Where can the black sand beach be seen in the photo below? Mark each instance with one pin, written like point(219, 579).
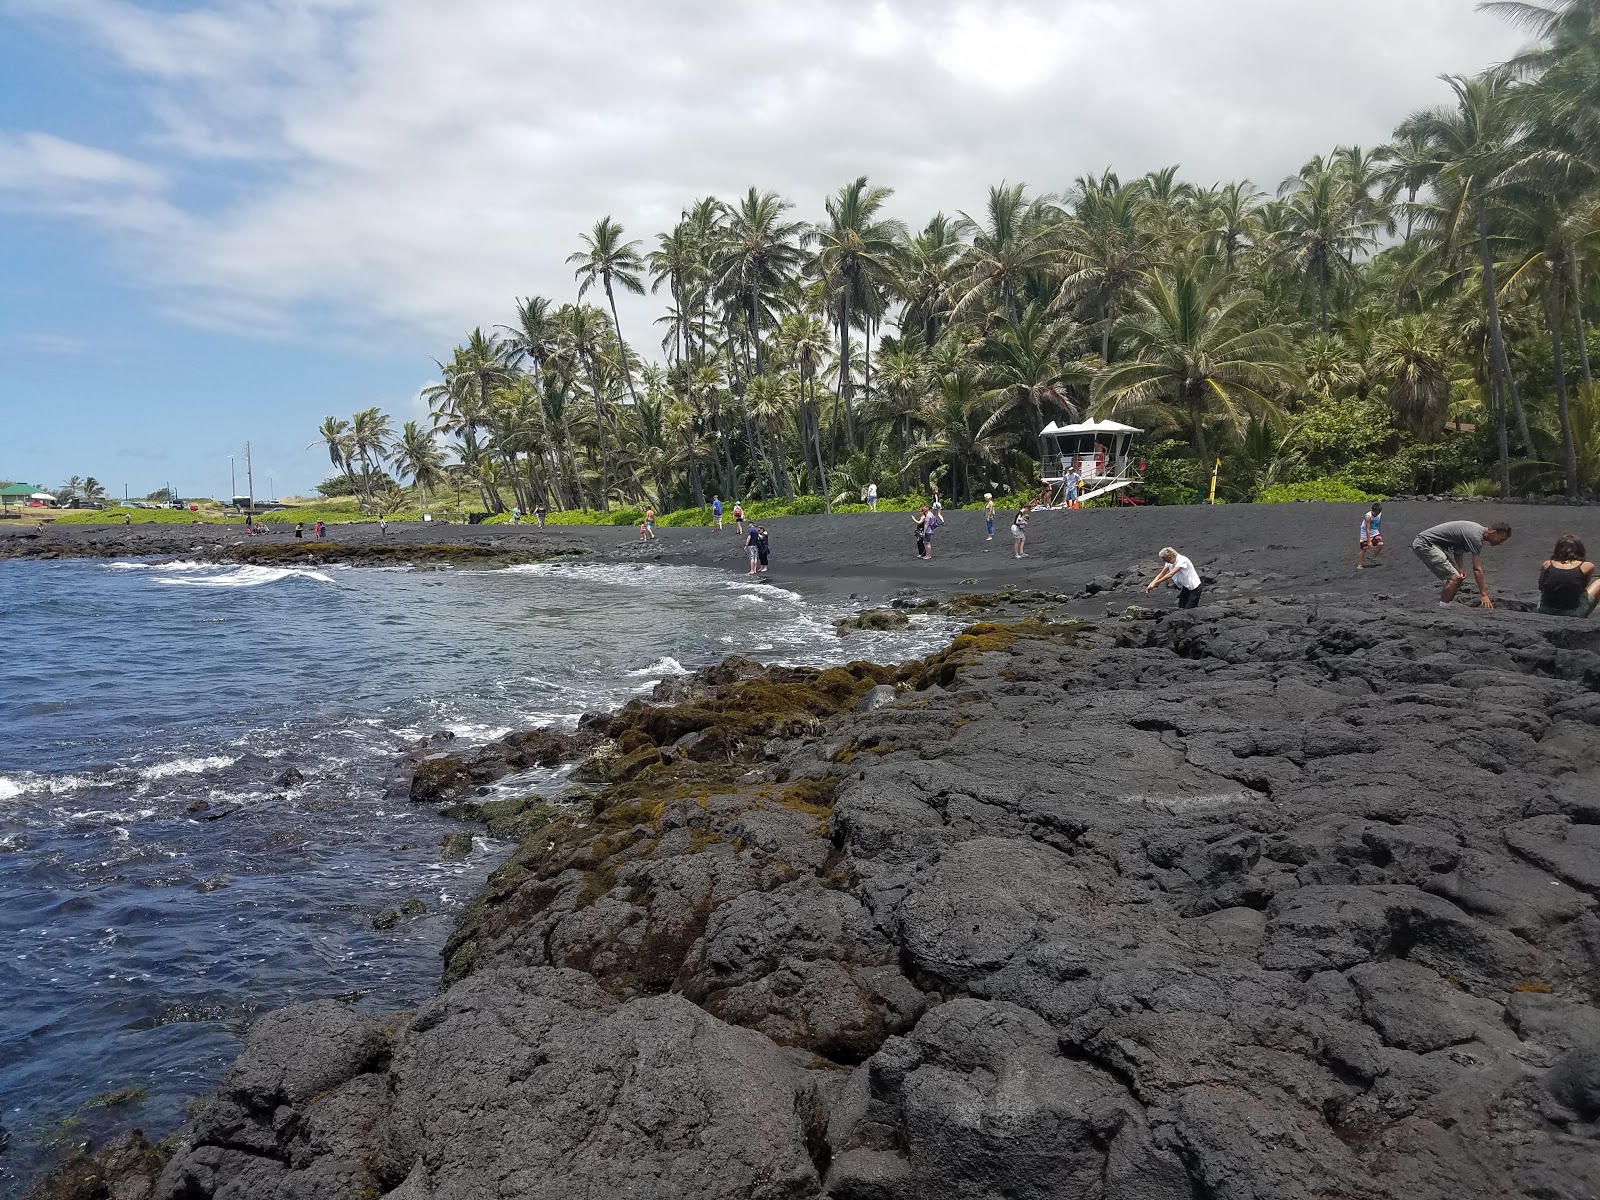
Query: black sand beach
point(1271, 549)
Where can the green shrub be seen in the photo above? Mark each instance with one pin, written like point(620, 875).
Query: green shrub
point(1333, 491)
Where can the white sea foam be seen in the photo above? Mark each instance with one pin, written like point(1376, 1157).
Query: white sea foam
point(662, 666)
point(251, 576)
point(179, 566)
point(186, 766)
point(10, 789)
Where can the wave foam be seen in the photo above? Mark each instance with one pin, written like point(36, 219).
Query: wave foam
point(186, 766)
point(251, 576)
point(662, 666)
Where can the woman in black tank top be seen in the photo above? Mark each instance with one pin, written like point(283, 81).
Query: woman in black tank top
point(1567, 583)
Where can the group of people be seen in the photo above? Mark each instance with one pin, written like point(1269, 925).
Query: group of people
point(716, 513)
point(538, 514)
point(300, 530)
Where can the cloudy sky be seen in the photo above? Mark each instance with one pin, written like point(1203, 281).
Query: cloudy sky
point(223, 221)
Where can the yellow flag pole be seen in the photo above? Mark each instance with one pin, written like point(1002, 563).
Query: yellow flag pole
point(1214, 470)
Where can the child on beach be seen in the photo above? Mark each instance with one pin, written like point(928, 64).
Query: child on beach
point(1371, 539)
point(1019, 531)
point(1183, 575)
point(644, 534)
point(988, 515)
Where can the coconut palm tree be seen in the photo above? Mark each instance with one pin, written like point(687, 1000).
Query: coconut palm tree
point(335, 435)
point(1198, 351)
point(1328, 223)
point(1015, 244)
point(369, 441)
point(1033, 364)
point(610, 262)
point(859, 257)
point(419, 456)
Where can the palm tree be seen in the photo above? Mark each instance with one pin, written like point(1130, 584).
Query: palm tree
point(335, 434)
point(1032, 362)
point(1411, 356)
point(1109, 245)
point(859, 257)
point(418, 455)
point(1012, 246)
point(1473, 143)
point(91, 490)
point(1197, 351)
point(1328, 222)
point(369, 440)
point(609, 261)
point(757, 255)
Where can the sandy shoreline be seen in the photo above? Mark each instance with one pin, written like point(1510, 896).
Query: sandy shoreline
point(1285, 549)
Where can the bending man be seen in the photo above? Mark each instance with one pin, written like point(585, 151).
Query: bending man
point(1442, 548)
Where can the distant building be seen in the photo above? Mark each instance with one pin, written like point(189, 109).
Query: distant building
point(25, 494)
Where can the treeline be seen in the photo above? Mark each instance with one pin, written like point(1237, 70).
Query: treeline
point(1409, 317)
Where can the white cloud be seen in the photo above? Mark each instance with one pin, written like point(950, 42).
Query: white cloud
point(420, 164)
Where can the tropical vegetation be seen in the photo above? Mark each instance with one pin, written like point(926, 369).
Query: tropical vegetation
point(1404, 318)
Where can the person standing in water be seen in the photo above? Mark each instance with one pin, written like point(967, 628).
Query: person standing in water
point(716, 511)
point(1567, 583)
point(1371, 537)
point(763, 547)
point(1183, 575)
point(1442, 548)
point(752, 546)
point(1019, 532)
point(988, 516)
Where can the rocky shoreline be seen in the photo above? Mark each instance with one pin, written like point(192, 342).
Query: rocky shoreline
point(1275, 898)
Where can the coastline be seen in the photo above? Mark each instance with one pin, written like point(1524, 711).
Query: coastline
point(1071, 903)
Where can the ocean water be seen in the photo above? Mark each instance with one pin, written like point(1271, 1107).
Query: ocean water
point(158, 889)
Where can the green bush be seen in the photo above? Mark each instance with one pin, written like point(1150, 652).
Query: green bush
point(1333, 491)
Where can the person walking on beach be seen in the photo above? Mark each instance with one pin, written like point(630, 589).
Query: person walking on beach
point(763, 547)
point(383, 525)
point(322, 530)
point(1371, 538)
point(1019, 532)
point(1567, 583)
point(738, 517)
point(920, 531)
point(516, 514)
point(988, 516)
point(1442, 548)
point(934, 520)
point(1183, 575)
point(752, 545)
point(650, 524)
point(716, 511)
point(127, 519)
point(872, 497)
point(1073, 481)
point(539, 513)
point(299, 530)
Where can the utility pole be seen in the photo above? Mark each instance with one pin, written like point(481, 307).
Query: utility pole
point(250, 476)
point(233, 482)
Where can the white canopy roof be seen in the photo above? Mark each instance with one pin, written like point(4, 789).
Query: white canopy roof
point(1089, 427)
point(42, 496)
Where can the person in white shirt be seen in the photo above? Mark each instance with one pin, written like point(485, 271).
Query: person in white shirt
point(872, 497)
point(1183, 575)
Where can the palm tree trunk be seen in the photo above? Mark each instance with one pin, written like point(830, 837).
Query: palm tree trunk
point(1577, 321)
point(1500, 434)
point(844, 364)
point(1553, 321)
point(1499, 368)
point(622, 346)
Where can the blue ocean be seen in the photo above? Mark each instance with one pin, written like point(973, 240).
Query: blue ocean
point(165, 876)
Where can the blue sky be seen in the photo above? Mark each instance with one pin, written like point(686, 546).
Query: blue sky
point(224, 220)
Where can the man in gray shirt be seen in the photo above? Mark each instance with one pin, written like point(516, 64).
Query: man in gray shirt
point(1442, 548)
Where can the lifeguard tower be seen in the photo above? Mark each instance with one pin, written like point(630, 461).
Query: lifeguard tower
point(1101, 450)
